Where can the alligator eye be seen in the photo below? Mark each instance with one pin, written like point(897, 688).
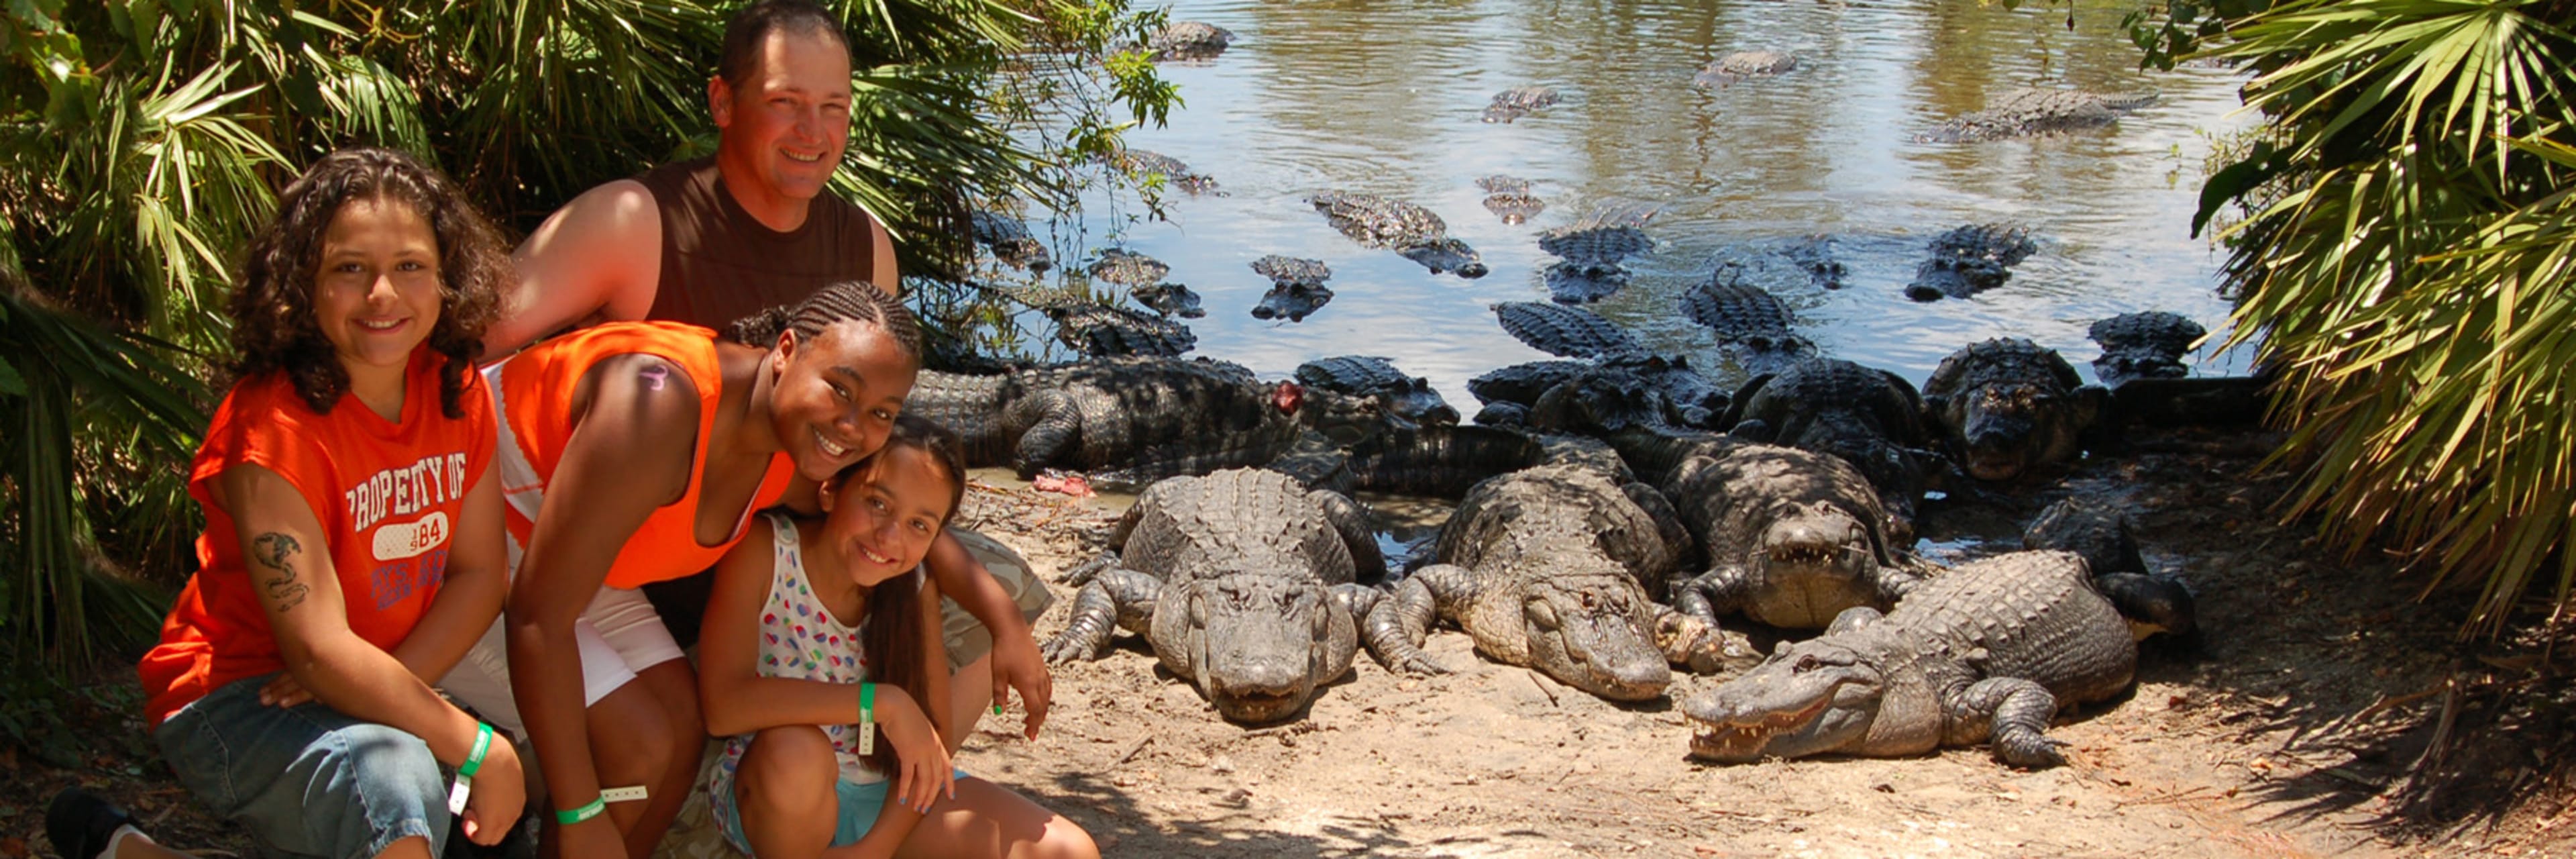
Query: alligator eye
point(1543, 615)
point(1198, 610)
point(1805, 664)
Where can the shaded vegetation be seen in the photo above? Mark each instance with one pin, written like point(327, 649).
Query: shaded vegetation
point(142, 140)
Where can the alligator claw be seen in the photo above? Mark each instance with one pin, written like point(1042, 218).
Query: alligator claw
point(1421, 663)
point(1063, 649)
point(2029, 750)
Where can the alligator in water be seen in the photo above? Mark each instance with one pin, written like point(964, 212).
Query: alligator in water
point(1411, 230)
point(2025, 112)
point(1730, 68)
point(1143, 277)
point(1743, 313)
point(1188, 40)
point(1406, 398)
point(1870, 417)
point(1969, 260)
point(1518, 102)
point(2147, 345)
point(1010, 241)
point(1589, 265)
point(1986, 652)
point(1296, 287)
point(1569, 332)
point(1242, 581)
point(2006, 407)
point(2102, 535)
point(1509, 198)
point(1169, 299)
point(1140, 163)
point(1577, 333)
point(1546, 569)
point(1101, 332)
point(1133, 420)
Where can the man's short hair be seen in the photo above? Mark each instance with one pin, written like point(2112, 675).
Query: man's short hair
point(752, 26)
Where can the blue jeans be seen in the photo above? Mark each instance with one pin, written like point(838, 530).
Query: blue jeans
point(308, 780)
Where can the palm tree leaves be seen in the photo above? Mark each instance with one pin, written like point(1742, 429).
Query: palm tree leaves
point(2414, 278)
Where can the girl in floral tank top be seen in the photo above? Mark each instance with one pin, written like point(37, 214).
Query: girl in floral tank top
point(820, 646)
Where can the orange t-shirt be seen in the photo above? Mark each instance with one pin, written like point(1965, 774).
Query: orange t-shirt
point(536, 390)
point(388, 494)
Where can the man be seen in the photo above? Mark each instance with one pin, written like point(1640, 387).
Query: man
point(711, 240)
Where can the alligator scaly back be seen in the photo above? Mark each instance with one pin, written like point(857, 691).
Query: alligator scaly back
point(2028, 111)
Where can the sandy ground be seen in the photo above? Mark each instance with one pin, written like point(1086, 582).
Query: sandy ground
point(2283, 734)
point(2288, 732)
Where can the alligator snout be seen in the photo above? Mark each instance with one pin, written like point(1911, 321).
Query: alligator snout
point(1264, 690)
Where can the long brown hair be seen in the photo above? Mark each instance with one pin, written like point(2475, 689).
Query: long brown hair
point(894, 629)
point(272, 311)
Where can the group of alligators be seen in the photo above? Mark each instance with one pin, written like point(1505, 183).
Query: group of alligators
point(1617, 512)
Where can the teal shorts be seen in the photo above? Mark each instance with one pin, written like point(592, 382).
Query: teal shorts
point(860, 804)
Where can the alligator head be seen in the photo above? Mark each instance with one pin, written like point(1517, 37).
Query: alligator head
point(2002, 430)
point(1344, 419)
point(1595, 633)
point(1815, 559)
point(1256, 645)
point(1812, 697)
point(1415, 403)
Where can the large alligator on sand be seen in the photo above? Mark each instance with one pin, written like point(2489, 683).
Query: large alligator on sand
point(2146, 345)
point(1871, 418)
point(1545, 568)
point(1986, 652)
point(1518, 102)
point(1242, 580)
point(1969, 260)
point(1133, 420)
point(1413, 231)
point(2025, 112)
point(1792, 537)
point(1406, 398)
point(2006, 407)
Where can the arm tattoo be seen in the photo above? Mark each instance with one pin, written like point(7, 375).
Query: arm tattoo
point(272, 549)
point(655, 376)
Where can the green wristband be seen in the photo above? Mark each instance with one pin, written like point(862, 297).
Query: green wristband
point(569, 817)
point(482, 746)
point(867, 702)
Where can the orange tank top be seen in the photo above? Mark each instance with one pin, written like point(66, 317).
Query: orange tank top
point(533, 394)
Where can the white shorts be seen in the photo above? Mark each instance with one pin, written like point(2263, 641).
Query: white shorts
point(617, 635)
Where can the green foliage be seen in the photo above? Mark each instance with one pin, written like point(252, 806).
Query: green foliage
point(141, 141)
point(2408, 260)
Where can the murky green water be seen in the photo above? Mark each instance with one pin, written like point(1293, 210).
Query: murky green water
point(1384, 97)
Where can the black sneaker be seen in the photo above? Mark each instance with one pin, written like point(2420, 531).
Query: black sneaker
point(80, 823)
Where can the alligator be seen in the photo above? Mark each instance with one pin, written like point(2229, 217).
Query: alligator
point(1408, 399)
point(1577, 333)
point(1518, 102)
point(1792, 537)
point(1986, 652)
point(1141, 163)
point(1743, 313)
point(1127, 268)
point(1589, 266)
point(1509, 198)
point(1243, 582)
point(1169, 299)
point(1815, 254)
point(1187, 41)
point(2026, 112)
point(1010, 241)
point(1446, 461)
point(2006, 407)
point(1145, 417)
point(1413, 231)
point(1871, 418)
point(1296, 287)
point(2144, 346)
point(2102, 535)
point(1969, 260)
point(1728, 69)
point(1100, 331)
point(1545, 567)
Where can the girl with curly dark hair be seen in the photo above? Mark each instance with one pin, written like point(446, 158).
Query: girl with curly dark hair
point(353, 545)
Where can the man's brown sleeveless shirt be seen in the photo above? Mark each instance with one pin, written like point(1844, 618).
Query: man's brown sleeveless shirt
point(720, 264)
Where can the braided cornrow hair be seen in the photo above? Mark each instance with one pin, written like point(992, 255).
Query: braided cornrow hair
point(847, 300)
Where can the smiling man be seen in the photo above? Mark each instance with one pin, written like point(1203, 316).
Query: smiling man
point(710, 240)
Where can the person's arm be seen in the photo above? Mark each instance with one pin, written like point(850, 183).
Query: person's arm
point(630, 454)
point(598, 257)
point(467, 602)
point(731, 691)
point(1016, 662)
point(289, 560)
point(886, 274)
point(897, 818)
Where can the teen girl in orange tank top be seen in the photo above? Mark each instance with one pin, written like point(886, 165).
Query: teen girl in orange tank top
point(639, 452)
